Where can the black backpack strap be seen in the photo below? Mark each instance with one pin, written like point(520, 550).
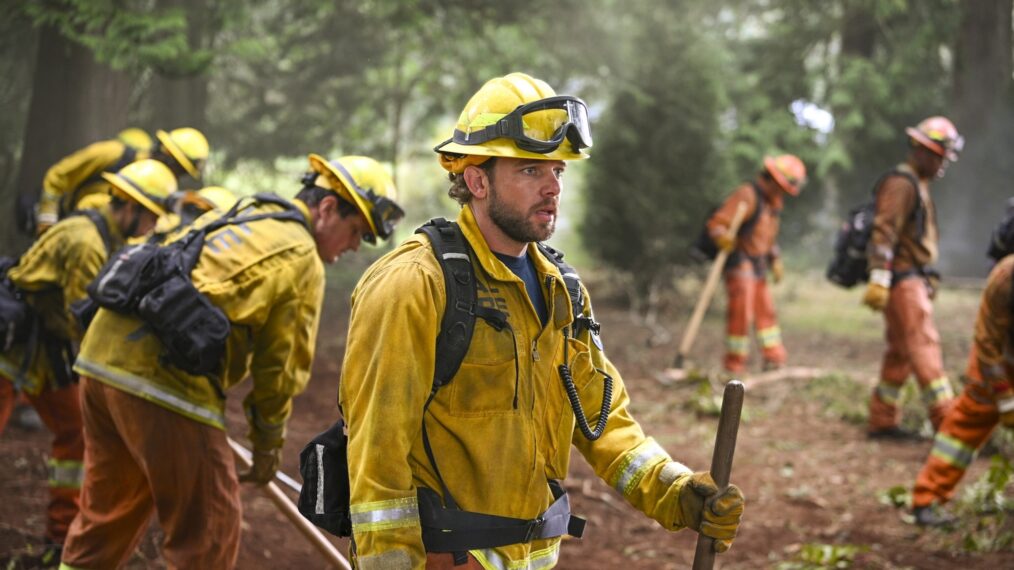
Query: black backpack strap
point(455, 258)
point(747, 228)
point(191, 253)
point(101, 225)
point(573, 282)
point(918, 214)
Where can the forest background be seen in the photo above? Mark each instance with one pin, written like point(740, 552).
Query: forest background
point(686, 96)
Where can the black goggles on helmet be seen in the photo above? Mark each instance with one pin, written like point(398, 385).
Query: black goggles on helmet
point(384, 213)
point(567, 119)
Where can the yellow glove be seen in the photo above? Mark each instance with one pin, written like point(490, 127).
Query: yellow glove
point(265, 465)
point(726, 242)
point(777, 269)
point(878, 290)
point(1006, 408)
point(713, 513)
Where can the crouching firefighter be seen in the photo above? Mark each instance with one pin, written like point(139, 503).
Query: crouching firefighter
point(239, 294)
point(473, 362)
point(987, 399)
point(51, 278)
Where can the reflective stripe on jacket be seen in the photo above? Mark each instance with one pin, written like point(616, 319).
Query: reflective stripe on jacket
point(495, 456)
point(55, 272)
point(898, 242)
point(268, 279)
point(65, 177)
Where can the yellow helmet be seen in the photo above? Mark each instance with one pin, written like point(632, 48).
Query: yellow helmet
point(147, 182)
point(365, 183)
point(217, 198)
point(188, 146)
point(135, 138)
point(521, 117)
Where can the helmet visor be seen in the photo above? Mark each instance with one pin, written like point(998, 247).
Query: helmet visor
point(540, 126)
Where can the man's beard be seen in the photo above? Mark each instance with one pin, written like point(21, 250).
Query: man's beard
point(516, 225)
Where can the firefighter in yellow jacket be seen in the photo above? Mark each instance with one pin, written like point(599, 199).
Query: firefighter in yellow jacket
point(155, 434)
point(501, 430)
point(902, 284)
point(76, 182)
point(54, 273)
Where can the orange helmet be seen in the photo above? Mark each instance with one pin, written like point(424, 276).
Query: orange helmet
point(939, 135)
point(788, 171)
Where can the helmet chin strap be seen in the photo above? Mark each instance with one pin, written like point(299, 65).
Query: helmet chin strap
point(135, 220)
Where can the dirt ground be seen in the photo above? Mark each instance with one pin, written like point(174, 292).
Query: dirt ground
point(803, 461)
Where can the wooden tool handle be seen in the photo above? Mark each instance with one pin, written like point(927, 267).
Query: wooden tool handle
point(721, 461)
point(284, 505)
point(710, 284)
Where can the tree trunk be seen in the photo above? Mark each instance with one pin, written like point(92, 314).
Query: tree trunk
point(75, 101)
point(977, 187)
point(183, 101)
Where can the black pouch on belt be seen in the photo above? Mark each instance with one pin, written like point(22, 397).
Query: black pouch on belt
point(128, 275)
point(324, 498)
point(192, 330)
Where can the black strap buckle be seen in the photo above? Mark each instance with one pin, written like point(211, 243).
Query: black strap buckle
point(535, 529)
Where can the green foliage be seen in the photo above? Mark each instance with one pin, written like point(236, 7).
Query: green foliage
point(899, 497)
point(124, 34)
point(816, 556)
point(983, 509)
point(657, 163)
point(842, 396)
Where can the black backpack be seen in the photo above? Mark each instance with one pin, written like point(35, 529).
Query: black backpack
point(703, 247)
point(153, 282)
point(848, 266)
point(1001, 242)
point(325, 495)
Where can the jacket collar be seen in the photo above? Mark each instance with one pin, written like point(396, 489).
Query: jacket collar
point(559, 306)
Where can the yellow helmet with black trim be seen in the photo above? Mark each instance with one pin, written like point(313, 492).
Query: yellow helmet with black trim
point(147, 182)
point(187, 146)
point(364, 183)
point(518, 116)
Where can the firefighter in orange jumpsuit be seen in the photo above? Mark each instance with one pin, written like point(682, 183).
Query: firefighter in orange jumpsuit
point(902, 283)
point(986, 400)
point(754, 252)
point(53, 275)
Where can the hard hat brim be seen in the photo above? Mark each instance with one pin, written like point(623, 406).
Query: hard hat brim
point(930, 144)
point(178, 154)
point(771, 167)
point(121, 185)
point(342, 186)
point(506, 148)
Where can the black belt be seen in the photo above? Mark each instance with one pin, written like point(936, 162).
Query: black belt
point(453, 530)
point(925, 272)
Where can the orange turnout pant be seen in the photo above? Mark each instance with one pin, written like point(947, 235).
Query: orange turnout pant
point(142, 458)
point(60, 410)
point(913, 346)
point(749, 304)
point(965, 428)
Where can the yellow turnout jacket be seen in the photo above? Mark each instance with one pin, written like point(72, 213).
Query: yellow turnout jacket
point(267, 278)
point(75, 181)
point(55, 272)
point(499, 430)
